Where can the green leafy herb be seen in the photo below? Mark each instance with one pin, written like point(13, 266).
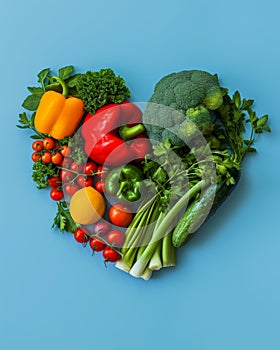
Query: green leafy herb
point(65, 72)
point(47, 82)
point(97, 89)
point(31, 102)
point(43, 77)
point(28, 123)
point(76, 143)
point(234, 113)
point(42, 171)
point(63, 220)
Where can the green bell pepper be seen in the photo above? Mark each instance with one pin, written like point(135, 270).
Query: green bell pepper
point(124, 183)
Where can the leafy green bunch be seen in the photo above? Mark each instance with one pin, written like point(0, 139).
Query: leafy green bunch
point(97, 89)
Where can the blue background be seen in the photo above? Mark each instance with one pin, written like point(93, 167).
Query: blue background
point(225, 291)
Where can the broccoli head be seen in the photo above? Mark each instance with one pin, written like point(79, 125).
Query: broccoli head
point(192, 94)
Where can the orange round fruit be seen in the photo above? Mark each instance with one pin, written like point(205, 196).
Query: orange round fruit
point(87, 206)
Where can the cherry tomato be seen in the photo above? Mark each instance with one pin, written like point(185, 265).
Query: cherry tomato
point(36, 156)
point(38, 145)
point(48, 143)
point(100, 186)
point(81, 235)
point(85, 181)
point(116, 238)
point(109, 254)
point(57, 158)
point(46, 157)
point(66, 175)
point(66, 162)
point(90, 168)
point(56, 194)
point(97, 244)
point(65, 150)
point(102, 228)
point(71, 188)
point(76, 167)
point(54, 181)
point(120, 215)
point(101, 171)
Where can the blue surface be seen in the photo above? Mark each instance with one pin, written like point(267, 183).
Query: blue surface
point(225, 291)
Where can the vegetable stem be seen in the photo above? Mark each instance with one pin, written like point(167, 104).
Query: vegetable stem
point(155, 262)
point(63, 85)
point(140, 265)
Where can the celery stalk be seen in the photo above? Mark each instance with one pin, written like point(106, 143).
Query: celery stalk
point(140, 265)
point(168, 251)
point(155, 262)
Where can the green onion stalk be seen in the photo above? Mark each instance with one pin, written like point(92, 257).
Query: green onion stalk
point(148, 246)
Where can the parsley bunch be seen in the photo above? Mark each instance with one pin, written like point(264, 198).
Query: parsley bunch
point(97, 89)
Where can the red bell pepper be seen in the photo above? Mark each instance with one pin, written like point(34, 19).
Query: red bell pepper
point(114, 135)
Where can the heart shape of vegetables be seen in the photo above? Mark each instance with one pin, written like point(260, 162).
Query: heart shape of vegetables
point(135, 181)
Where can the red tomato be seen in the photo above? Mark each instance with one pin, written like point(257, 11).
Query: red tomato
point(97, 244)
point(66, 175)
point(85, 181)
point(57, 158)
point(66, 162)
point(56, 194)
point(36, 156)
point(54, 181)
point(76, 167)
point(71, 188)
point(81, 235)
point(65, 150)
point(116, 238)
point(100, 186)
point(38, 145)
point(90, 168)
point(120, 214)
point(46, 157)
point(48, 143)
point(101, 172)
point(109, 254)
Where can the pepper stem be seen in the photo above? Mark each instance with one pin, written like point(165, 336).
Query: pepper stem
point(130, 132)
point(63, 85)
point(122, 187)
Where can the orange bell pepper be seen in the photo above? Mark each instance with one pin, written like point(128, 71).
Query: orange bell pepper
point(58, 115)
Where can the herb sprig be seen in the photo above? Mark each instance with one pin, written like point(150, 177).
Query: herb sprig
point(63, 219)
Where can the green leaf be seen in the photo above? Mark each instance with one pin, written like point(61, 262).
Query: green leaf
point(36, 137)
point(63, 219)
point(266, 128)
point(23, 127)
point(36, 91)
point(31, 121)
point(237, 99)
point(73, 80)
point(31, 102)
point(65, 72)
point(262, 121)
point(42, 76)
point(246, 104)
point(23, 119)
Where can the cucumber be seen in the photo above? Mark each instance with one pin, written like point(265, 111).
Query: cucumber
point(201, 210)
point(193, 217)
point(223, 192)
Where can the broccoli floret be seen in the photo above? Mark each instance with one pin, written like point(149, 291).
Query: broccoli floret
point(197, 117)
point(192, 93)
point(200, 116)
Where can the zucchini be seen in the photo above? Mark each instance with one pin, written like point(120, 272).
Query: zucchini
point(199, 211)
